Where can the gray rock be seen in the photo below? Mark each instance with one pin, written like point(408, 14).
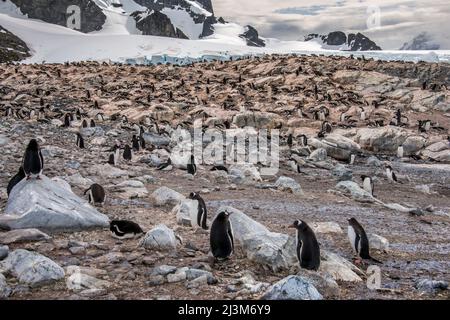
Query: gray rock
point(23, 235)
point(130, 189)
point(156, 280)
point(326, 227)
point(32, 268)
point(198, 282)
point(4, 250)
point(176, 277)
point(107, 171)
point(5, 290)
point(192, 274)
point(289, 184)
point(79, 281)
point(50, 207)
point(318, 155)
point(378, 242)
point(292, 288)
point(342, 173)
point(358, 194)
point(160, 238)
point(156, 140)
point(337, 146)
point(431, 286)
point(165, 196)
point(163, 270)
point(374, 162)
point(186, 212)
point(272, 249)
point(384, 139)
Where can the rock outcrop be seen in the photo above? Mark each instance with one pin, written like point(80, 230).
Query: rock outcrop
point(12, 48)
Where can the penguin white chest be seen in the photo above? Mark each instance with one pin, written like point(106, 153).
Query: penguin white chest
point(389, 175)
point(400, 152)
point(367, 185)
point(352, 238)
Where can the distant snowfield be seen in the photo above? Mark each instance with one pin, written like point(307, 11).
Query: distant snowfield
point(55, 44)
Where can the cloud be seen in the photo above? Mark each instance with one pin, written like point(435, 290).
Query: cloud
point(400, 20)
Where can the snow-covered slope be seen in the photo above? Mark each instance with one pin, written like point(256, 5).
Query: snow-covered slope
point(118, 40)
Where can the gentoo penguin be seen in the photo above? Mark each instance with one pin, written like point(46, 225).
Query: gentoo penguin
point(92, 124)
point(303, 140)
point(326, 127)
point(400, 152)
point(290, 140)
point(202, 212)
point(15, 180)
point(135, 143)
point(84, 124)
point(391, 174)
point(192, 167)
point(112, 159)
point(352, 159)
point(142, 141)
point(96, 194)
point(67, 120)
point(122, 229)
point(127, 153)
point(368, 184)
point(221, 238)
point(358, 240)
point(219, 168)
point(308, 250)
point(166, 166)
point(33, 162)
point(80, 141)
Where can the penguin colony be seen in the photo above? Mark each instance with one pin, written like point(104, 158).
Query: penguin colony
point(317, 109)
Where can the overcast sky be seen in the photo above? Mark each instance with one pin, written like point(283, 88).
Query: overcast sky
point(399, 20)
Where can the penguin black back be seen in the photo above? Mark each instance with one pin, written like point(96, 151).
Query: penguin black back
point(308, 250)
point(80, 141)
point(127, 153)
point(33, 162)
point(96, 193)
point(123, 229)
point(221, 237)
point(359, 240)
point(15, 180)
point(192, 167)
point(135, 143)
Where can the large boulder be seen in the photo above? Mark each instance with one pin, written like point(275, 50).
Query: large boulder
point(289, 184)
point(355, 191)
point(5, 290)
point(130, 189)
point(32, 268)
point(49, 205)
point(439, 151)
point(166, 196)
point(384, 139)
point(22, 235)
point(271, 249)
point(337, 146)
point(413, 144)
point(186, 212)
point(292, 288)
point(257, 120)
point(160, 238)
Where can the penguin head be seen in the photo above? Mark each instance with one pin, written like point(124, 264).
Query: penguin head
point(299, 225)
point(353, 222)
point(364, 177)
point(224, 215)
point(33, 145)
point(193, 195)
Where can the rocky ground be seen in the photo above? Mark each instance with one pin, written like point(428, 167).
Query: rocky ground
point(409, 221)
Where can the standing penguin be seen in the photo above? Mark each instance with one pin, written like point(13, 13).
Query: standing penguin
point(127, 153)
point(96, 194)
point(92, 124)
point(15, 180)
point(84, 124)
point(290, 140)
point(221, 238)
point(67, 120)
point(358, 240)
point(391, 174)
point(192, 167)
point(80, 141)
point(135, 143)
point(122, 229)
point(368, 184)
point(400, 152)
point(202, 212)
point(112, 159)
point(308, 250)
point(33, 162)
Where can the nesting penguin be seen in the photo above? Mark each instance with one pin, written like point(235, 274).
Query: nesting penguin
point(135, 143)
point(219, 168)
point(221, 238)
point(33, 162)
point(166, 166)
point(123, 229)
point(15, 180)
point(359, 240)
point(96, 194)
point(192, 167)
point(308, 250)
point(80, 141)
point(202, 212)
